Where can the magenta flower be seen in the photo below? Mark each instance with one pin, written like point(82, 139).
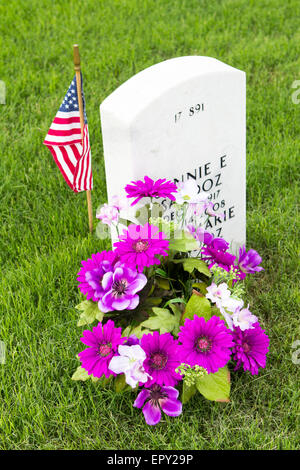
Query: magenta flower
point(248, 262)
point(92, 272)
point(215, 252)
point(103, 342)
point(222, 258)
point(206, 344)
point(132, 340)
point(140, 245)
point(120, 288)
point(150, 188)
point(250, 348)
point(162, 358)
point(158, 399)
point(200, 234)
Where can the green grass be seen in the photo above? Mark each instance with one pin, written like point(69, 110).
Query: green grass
point(44, 225)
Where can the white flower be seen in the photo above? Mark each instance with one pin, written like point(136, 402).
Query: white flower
point(232, 304)
point(244, 319)
point(221, 296)
point(119, 203)
point(227, 307)
point(218, 294)
point(188, 192)
point(130, 363)
point(108, 214)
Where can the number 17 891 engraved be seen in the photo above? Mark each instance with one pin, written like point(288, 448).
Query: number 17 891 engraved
point(192, 111)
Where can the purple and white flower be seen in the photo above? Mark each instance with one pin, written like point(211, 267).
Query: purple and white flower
point(120, 288)
point(91, 274)
point(158, 399)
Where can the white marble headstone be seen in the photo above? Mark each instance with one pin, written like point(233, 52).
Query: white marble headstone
point(181, 119)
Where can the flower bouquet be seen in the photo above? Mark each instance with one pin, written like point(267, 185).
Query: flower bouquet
point(168, 302)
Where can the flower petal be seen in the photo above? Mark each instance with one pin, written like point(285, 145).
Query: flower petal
point(140, 399)
point(171, 407)
point(107, 280)
point(119, 364)
point(152, 413)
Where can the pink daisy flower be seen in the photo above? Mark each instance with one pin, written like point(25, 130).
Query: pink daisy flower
point(103, 342)
point(140, 245)
point(150, 188)
point(161, 358)
point(206, 344)
point(250, 348)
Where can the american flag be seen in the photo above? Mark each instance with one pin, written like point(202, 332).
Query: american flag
point(71, 153)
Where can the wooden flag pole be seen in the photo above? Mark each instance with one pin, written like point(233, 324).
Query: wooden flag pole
point(80, 103)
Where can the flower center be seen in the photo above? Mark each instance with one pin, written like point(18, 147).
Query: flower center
point(203, 344)
point(119, 287)
point(105, 349)
point(246, 347)
point(140, 246)
point(158, 360)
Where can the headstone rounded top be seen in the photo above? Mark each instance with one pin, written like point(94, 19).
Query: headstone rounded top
point(182, 119)
point(132, 96)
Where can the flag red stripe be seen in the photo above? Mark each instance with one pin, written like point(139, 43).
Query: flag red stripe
point(69, 120)
point(71, 153)
point(67, 159)
point(64, 132)
point(69, 183)
point(75, 151)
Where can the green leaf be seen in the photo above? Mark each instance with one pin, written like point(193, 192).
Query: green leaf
point(152, 301)
point(138, 331)
point(163, 320)
point(94, 379)
point(189, 264)
point(175, 309)
point(199, 306)
point(161, 272)
point(215, 386)
point(183, 242)
point(120, 383)
point(201, 286)
point(163, 283)
point(89, 312)
point(80, 374)
point(187, 392)
point(126, 331)
point(177, 300)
